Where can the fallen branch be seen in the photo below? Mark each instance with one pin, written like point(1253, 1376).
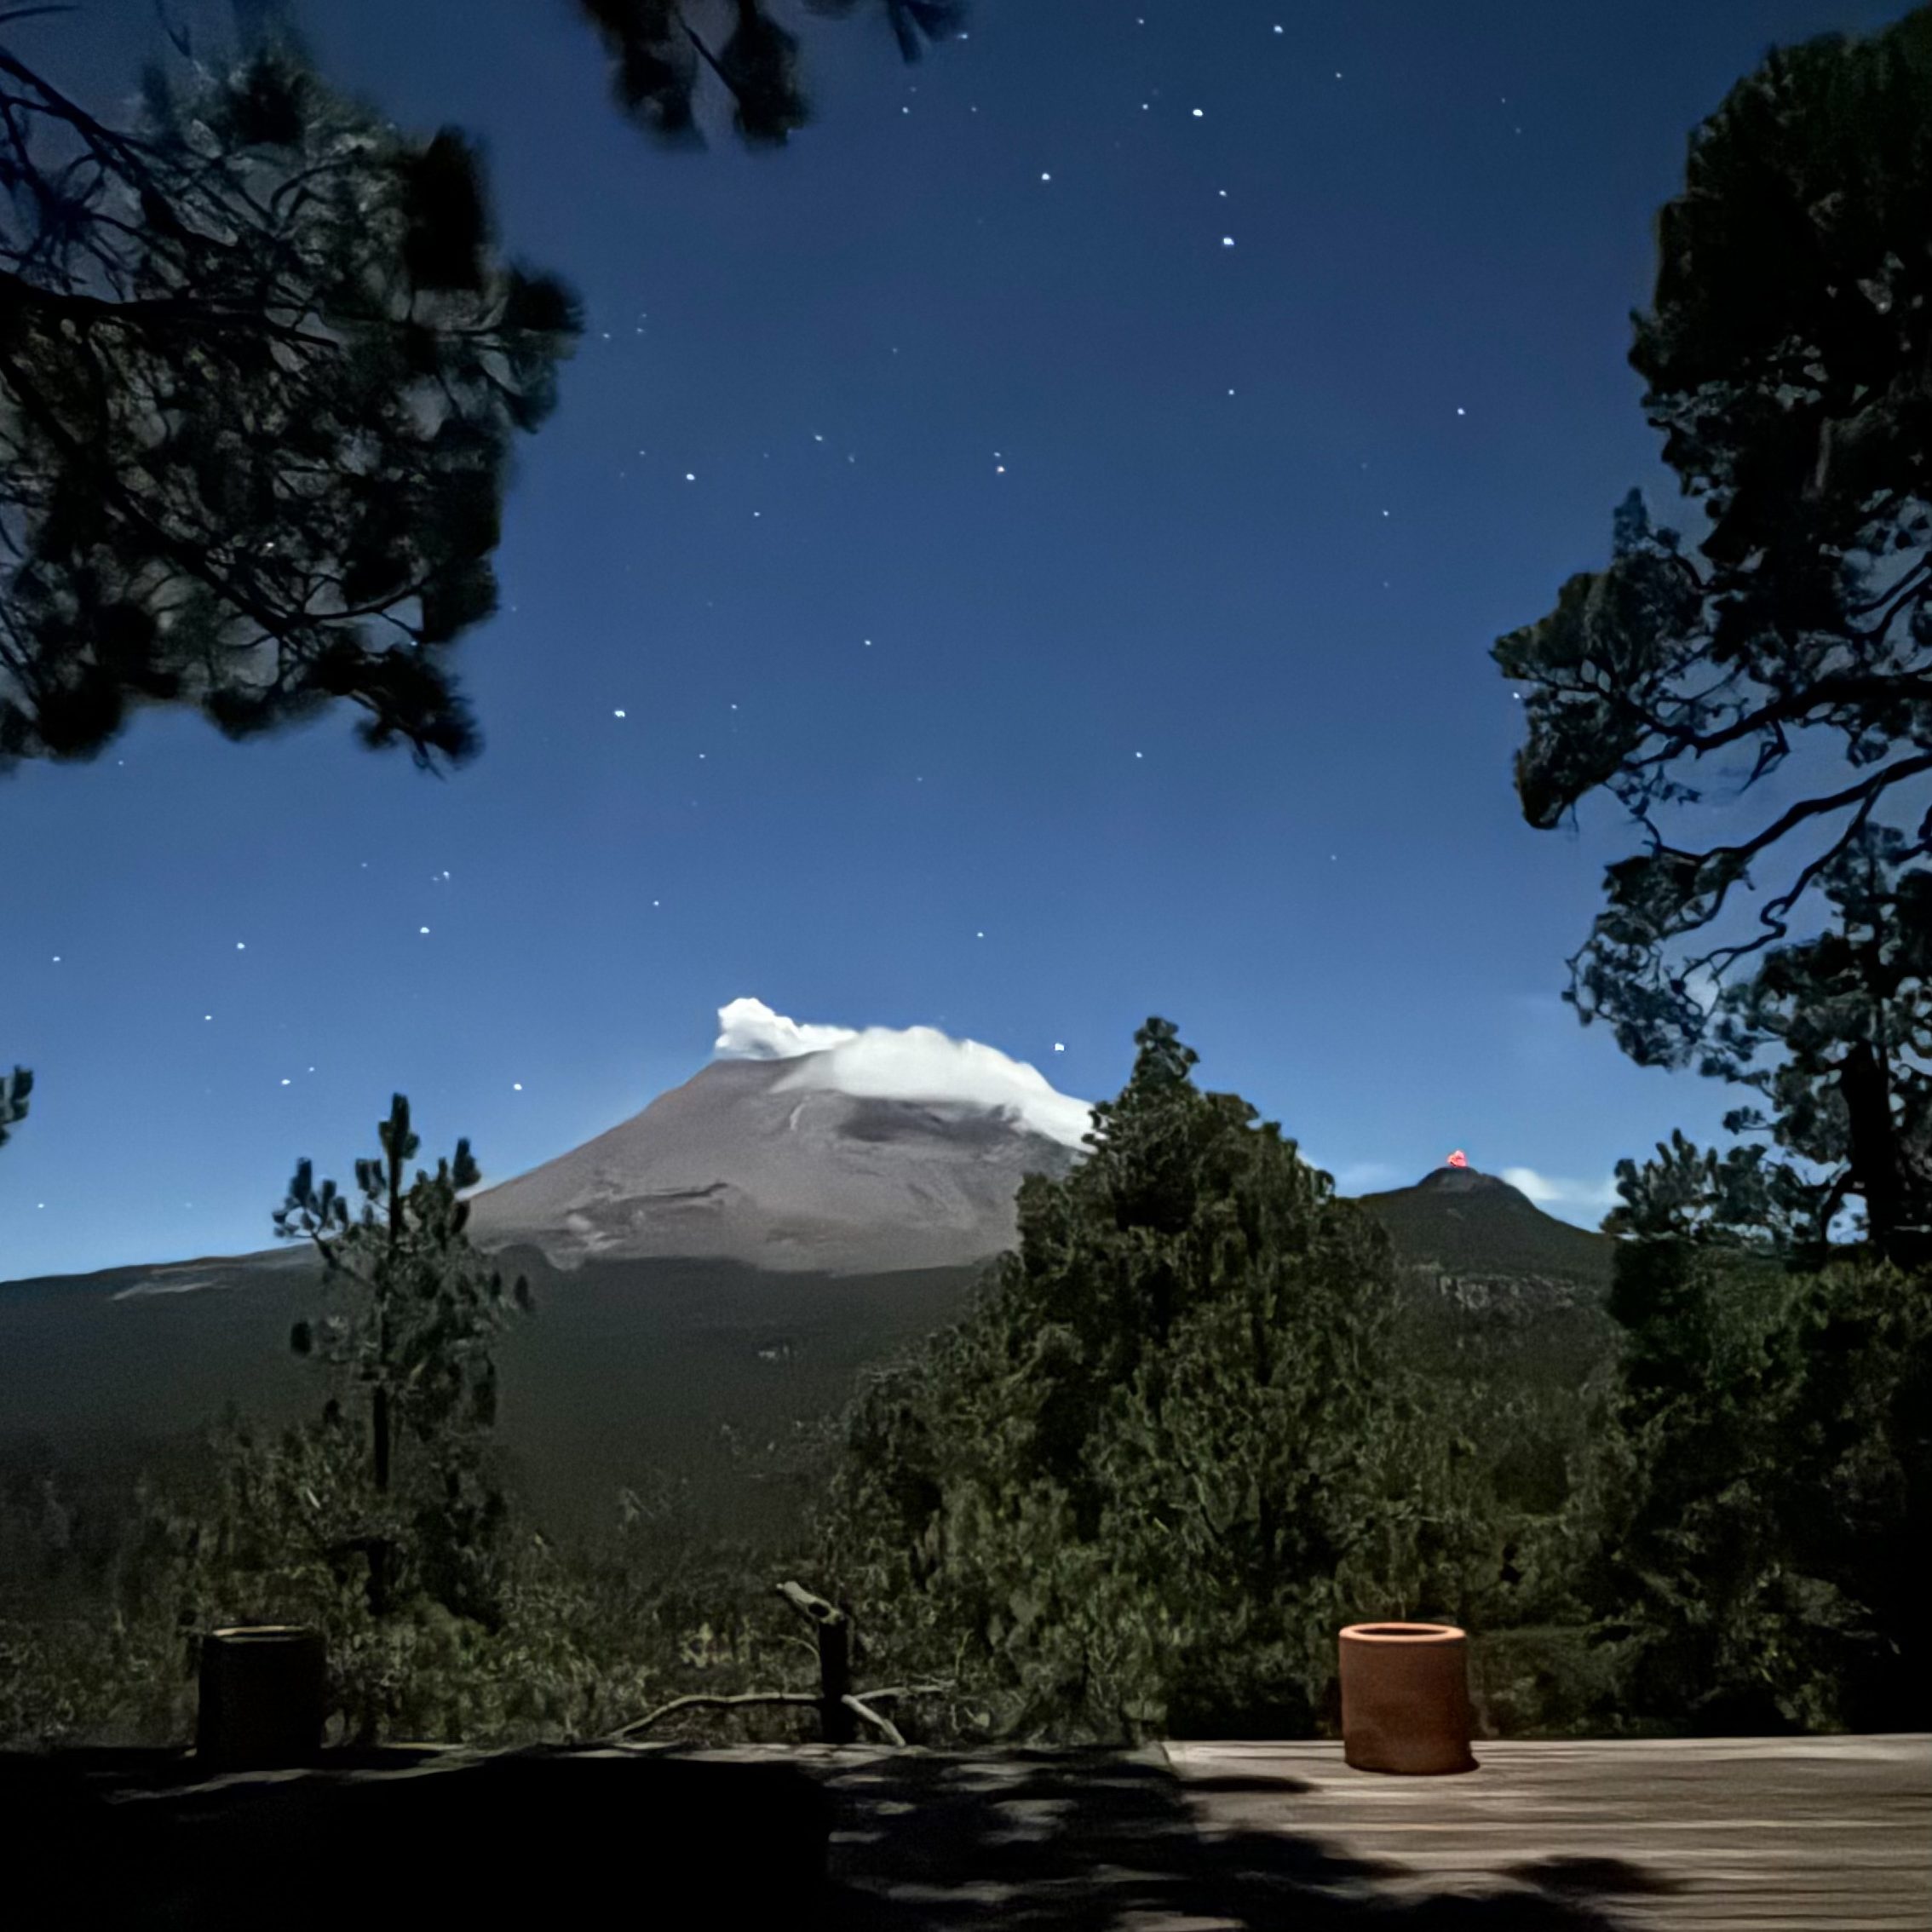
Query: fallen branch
point(833, 1626)
point(856, 1703)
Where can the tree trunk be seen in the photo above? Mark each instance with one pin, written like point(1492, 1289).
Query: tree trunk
point(838, 1723)
point(1874, 1146)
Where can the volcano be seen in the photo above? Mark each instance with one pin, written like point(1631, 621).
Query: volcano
point(775, 1163)
point(1475, 1225)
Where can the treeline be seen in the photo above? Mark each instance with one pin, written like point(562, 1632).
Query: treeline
point(1193, 1424)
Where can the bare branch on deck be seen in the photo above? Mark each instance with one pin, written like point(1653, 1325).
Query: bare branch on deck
point(831, 1620)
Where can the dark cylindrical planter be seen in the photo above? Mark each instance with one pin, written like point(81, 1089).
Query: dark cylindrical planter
point(1405, 1697)
point(262, 1697)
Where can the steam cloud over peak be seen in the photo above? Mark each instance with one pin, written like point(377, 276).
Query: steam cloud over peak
point(911, 1063)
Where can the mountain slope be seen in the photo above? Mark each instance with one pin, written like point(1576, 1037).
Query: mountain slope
point(760, 1161)
point(1480, 1229)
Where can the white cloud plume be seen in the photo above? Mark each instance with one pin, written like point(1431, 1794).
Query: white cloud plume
point(918, 1063)
point(1547, 1191)
point(1363, 1176)
point(748, 1029)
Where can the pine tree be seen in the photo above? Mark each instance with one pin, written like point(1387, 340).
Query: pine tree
point(418, 1342)
point(1761, 1479)
point(1786, 358)
point(1165, 1450)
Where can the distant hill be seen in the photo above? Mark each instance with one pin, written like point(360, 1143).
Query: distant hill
point(1481, 1231)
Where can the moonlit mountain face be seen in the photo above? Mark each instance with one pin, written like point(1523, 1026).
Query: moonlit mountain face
point(865, 1153)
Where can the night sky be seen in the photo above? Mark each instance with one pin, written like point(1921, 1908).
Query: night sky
point(1020, 559)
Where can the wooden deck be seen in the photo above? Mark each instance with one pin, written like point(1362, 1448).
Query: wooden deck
point(1799, 1835)
point(1745, 1835)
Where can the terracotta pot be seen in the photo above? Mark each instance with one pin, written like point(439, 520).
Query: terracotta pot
point(262, 1697)
point(1405, 1697)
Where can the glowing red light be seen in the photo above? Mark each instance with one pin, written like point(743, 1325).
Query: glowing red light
point(1457, 1160)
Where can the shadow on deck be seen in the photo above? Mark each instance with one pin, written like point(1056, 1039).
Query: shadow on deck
point(1799, 1834)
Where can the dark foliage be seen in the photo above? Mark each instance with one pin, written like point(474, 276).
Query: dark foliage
point(1788, 360)
point(661, 51)
point(14, 1089)
point(260, 368)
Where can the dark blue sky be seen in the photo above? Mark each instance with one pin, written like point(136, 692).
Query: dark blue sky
point(1028, 613)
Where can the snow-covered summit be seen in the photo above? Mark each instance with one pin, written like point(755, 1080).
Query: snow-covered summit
point(831, 1149)
point(908, 1063)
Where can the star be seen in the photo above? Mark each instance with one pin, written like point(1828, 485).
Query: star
point(1462, 412)
point(1046, 177)
point(516, 1086)
point(617, 713)
point(1197, 113)
point(689, 478)
point(241, 945)
point(1228, 241)
point(422, 928)
point(1058, 1048)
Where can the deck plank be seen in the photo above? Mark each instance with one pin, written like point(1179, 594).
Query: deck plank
point(1827, 1834)
point(1729, 1835)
